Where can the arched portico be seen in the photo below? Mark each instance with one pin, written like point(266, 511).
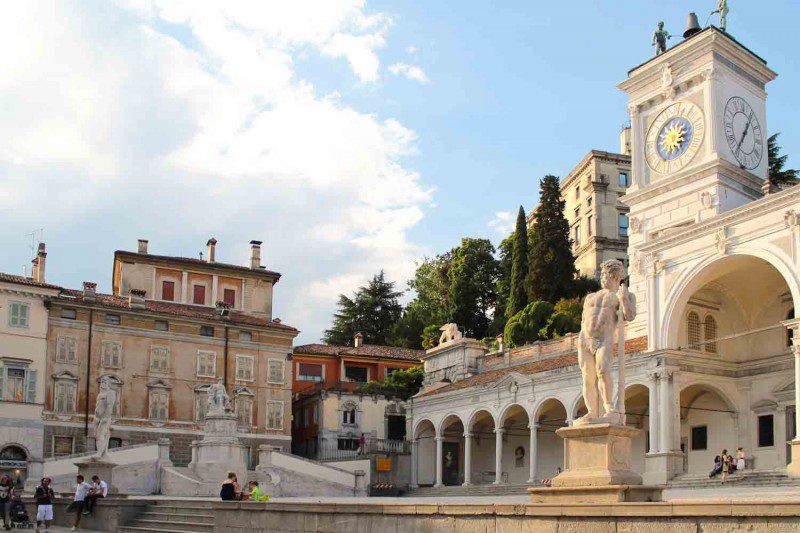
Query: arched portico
point(451, 457)
point(485, 448)
point(519, 445)
point(549, 416)
point(423, 453)
point(709, 424)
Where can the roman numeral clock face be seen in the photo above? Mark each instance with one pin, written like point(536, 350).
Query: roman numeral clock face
point(674, 137)
point(743, 133)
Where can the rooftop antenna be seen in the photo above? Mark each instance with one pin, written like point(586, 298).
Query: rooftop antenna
point(34, 242)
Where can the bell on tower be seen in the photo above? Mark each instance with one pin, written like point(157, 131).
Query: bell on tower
point(692, 25)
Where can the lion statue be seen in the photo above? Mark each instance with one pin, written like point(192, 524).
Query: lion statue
point(450, 332)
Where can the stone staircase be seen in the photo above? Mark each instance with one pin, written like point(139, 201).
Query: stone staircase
point(173, 517)
point(473, 490)
point(751, 478)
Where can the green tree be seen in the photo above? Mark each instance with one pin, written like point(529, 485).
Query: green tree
point(473, 292)
point(402, 384)
point(551, 265)
point(373, 310)
point(407, 331)
point(525, 326)
point(503, 285)
point(517, 294)
point(432, 286)
point(778, 177)
point(566, 318)
point(430, 336)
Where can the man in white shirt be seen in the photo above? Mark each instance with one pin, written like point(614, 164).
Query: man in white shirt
point(99, 490)
point(81, 492)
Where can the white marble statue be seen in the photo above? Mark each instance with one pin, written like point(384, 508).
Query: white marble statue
point(601, 310)
point(450, 332)
point(103, 412)
point(218, 400)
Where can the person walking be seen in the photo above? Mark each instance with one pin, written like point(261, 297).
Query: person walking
point(726, 465)
point(6, 492)
point(99, 490)
point(81, 492)
point(44, 497)
point(740, 463)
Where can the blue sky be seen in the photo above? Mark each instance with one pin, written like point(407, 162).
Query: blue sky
point(348, 136)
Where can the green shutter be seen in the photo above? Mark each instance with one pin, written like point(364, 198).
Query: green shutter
point(2, 380)
point(30, 393)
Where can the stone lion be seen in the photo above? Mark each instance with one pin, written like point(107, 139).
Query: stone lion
point(450, 332)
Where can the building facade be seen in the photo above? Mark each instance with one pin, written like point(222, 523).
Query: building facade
point(208, 321)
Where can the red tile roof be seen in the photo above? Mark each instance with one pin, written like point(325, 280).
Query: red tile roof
point(182, 310)
point(367, 350)
point(21, 280)
point(198, 263)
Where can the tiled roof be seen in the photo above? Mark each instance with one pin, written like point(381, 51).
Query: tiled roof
point(199, 263)
point(21, 280)
point(182, 310)
point(367, 350)
point(543, 365)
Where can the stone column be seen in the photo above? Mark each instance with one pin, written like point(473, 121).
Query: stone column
point(665, 414)
point(185, 287)
point(414, 463)
point(498, 455)
point(467, 458)
point(796, 349)
point(653, 411)
point(439, 441)
point(532, 452)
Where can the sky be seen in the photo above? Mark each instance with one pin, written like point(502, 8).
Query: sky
point(348, 135)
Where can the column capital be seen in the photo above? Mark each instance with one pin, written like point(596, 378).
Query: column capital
point(652, 376)
point(664, 374)
point(499, 431)
point(533, 427)
point(438, 438)
point(468, 435)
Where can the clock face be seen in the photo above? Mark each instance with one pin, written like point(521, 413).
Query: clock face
point(674, 137)
point(743, 133)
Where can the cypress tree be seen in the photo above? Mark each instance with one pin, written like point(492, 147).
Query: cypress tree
point(551, 265)
point(517, 295)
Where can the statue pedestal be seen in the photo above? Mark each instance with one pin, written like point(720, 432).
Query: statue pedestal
point(98, 466)
point(220, 451)
point(793, 468)
point(598, 462)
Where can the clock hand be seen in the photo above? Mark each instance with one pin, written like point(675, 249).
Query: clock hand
point(744, 133)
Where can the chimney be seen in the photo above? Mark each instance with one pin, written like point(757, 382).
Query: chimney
point(255, 255)
point(136, 298)
point(211, 245)
point(142, 246)
point(37, 272)
point(625, 140)
point(89, 291)
point(358, 342)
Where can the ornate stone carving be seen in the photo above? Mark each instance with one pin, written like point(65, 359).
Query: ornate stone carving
point(634, 225)
point(707, 199)
point(637, 263)
point(791, 219)
point(654, 264)
point(450, 332)
point(722, 241)
point(218, 400)
point(103, 415)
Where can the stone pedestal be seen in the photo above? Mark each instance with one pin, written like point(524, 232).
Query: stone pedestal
point(98, 466)
point(793, 468)
point(220, 451)
point(660, 467)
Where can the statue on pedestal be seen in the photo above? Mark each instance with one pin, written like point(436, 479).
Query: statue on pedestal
point(722, 9)
point(218, 400)
point(601, 316)
point(450, 332)
point(103, 412)
point(660, 37)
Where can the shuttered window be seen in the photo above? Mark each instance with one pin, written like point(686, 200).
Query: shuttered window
point(168, 291)
point(244, 367)
point(112, 354)
point(274, 414)
point(18, 314)
point(64, 399)
point(275, 371)
point(159, 358)
point(206, 364)
point(693, 330)
point(66, 349)
point(159, 404)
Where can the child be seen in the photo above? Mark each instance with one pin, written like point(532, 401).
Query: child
point(255, 493)
point(44, 497)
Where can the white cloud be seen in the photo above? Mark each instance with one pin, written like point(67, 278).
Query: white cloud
point(504, 222)
point(411, 72)
point(179, 120)
point(413, 50)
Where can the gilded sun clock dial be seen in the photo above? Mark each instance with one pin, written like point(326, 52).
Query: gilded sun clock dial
point(674, 137)
point(743, 133)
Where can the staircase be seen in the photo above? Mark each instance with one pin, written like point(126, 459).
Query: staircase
point(472, 490)
point(173, 517)
point(751, 478)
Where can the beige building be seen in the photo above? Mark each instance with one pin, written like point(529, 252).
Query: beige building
point(206, 321)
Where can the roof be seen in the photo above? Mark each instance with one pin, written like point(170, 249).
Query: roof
point(182, 310)
point(366, 350)
point(197, 263)
point(22, 280)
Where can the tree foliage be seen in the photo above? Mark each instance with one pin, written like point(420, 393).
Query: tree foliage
point(402, 384)
point(473, 293)
point(502, 285)
point(517, 294)
point(525, 326)
point(778, 176)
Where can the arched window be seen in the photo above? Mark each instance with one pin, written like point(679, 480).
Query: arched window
point(693, 330)
point(789, 316)
point(710, 334)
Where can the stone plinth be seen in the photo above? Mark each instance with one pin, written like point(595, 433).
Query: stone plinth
point(793, 468)
point(596, 494)
point(98, 466)
point(453, 360)
point(597, 454)
point(220, 451)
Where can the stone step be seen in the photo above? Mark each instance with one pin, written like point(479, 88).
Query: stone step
point(135, 529)
point(154, 515)
point(173, 524)
point(175, 506)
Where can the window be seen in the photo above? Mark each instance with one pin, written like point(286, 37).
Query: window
point(589, 202)
point(693, 330)
point(766, 431)
point(700, 438)
point(159, 404)
point(243, 406)
point(207, 331)
point(315, 414)
point(309, 372)
point(589, 225)
point(18, 315)
point(112, 354)
point(789, 332)
point(623, 179)
point(200, 404)
point(710, 328)
point(244, 367)
point(577, 212)
point(275, 374)
point(63, 445)
point(206, 364)
point(577, 192)
point(114, 320)
point(64, 397)
point(347, 444)
point(161, 325)
point(306, 416)
point(159, 358)
point(199, 295)
point(229, 297)
point(19, 384)
point(274, 414)
point(576, 234)
point(71, 314)
point(67, 349)
point(245, 336)
point(114, 442)
point(357, 374)
point(623, 224)
point(349, 414)
point(168, 291)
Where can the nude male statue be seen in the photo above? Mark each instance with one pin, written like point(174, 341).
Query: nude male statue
point(722, 9)
point(103, 411)
point(596, 340)
point(660, 37)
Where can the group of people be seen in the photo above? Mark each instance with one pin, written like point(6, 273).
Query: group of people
point(725, 464)
point(232, 491)
point(11, 506)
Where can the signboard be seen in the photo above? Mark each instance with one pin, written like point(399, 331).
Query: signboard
point(383, 464)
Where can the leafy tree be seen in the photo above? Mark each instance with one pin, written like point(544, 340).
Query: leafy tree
point(503, 285)
point(432, 284)
point(583, 285)
point(551, 265)
point(430, 336)
point(373, 310)
point(525, 326)
point(407, 331)
point(566, 318)
point(517, 294)
point(402, 384)
point(473, 293)
point(778, 177)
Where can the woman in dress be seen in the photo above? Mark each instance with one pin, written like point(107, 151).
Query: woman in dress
point(740, 461)
point(726, 465)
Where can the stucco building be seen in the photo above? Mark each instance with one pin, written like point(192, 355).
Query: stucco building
point(715, 267)
point(205, 321)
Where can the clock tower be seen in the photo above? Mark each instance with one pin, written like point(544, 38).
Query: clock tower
point(698, 147)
